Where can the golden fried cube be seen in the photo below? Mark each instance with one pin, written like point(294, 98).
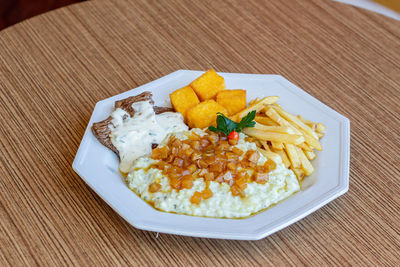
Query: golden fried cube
point(233, 100)
point(208, 85)
point(204, 114)
point(183, 99)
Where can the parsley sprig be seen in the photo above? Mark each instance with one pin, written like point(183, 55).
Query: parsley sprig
point(226, 125)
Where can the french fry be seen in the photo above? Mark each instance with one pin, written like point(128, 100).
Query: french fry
point(277, 145)
point(276, 105)
point(299, 174)
point(309, 154)
point(255, 100)
point(258, 143)
point(310, 124)
point(280, 133)
point(311, 141)
point(273, 136)
point(284, 157)
point(320, 135)
point(265, 145)
point(304, 120)
point(270, 112)
point(320, 128)
point(276, 129)
point(265, 120)
point(297, 122)
point(257, 106)
point(269, 106)
point(291, 150)
point(305, 147)
point(305, 163)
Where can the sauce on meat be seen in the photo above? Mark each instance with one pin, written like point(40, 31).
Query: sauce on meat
point(134, 136)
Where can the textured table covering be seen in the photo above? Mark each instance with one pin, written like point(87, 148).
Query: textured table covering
point(55, 67)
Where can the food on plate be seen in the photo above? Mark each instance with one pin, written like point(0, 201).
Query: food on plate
point(233, 100)
point(210, 89)
point(204, 114)
point(292, 137)
point(208, 85)
point(183, 99)
point(257, 106)
point(268, 135)
point(132, 129)
point(102, 130)
point(284, 118)
point(199, 173)
point(213, 156)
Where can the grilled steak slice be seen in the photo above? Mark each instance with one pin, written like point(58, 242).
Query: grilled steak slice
point(102, 130)
point(159, 110)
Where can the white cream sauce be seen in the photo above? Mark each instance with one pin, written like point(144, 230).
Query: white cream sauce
point(133, 136)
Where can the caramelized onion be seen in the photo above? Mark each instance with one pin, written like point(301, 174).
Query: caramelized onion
point(195, 145)
point(154, 187)
point(196, 198)
point(212, 157)
point(253, 156)
point(270, 165)
point(187, 182)
point(231, 166)
point(206, 193)
point(237, 151)
point(209, 176)
point(192, 168)
point(178, 162)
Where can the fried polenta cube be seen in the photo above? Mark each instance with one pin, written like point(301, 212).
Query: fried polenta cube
point(183, 99)
point(233, 100)
point(204, 114)
point(208, 85)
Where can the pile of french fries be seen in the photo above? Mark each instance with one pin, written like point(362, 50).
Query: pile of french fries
point(279, 133)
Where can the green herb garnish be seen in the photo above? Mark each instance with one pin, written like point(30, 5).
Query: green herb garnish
point(226, 125)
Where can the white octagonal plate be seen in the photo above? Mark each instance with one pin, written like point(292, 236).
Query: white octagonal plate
point(98, 166)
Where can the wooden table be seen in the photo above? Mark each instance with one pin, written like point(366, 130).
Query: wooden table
point(55, 67)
